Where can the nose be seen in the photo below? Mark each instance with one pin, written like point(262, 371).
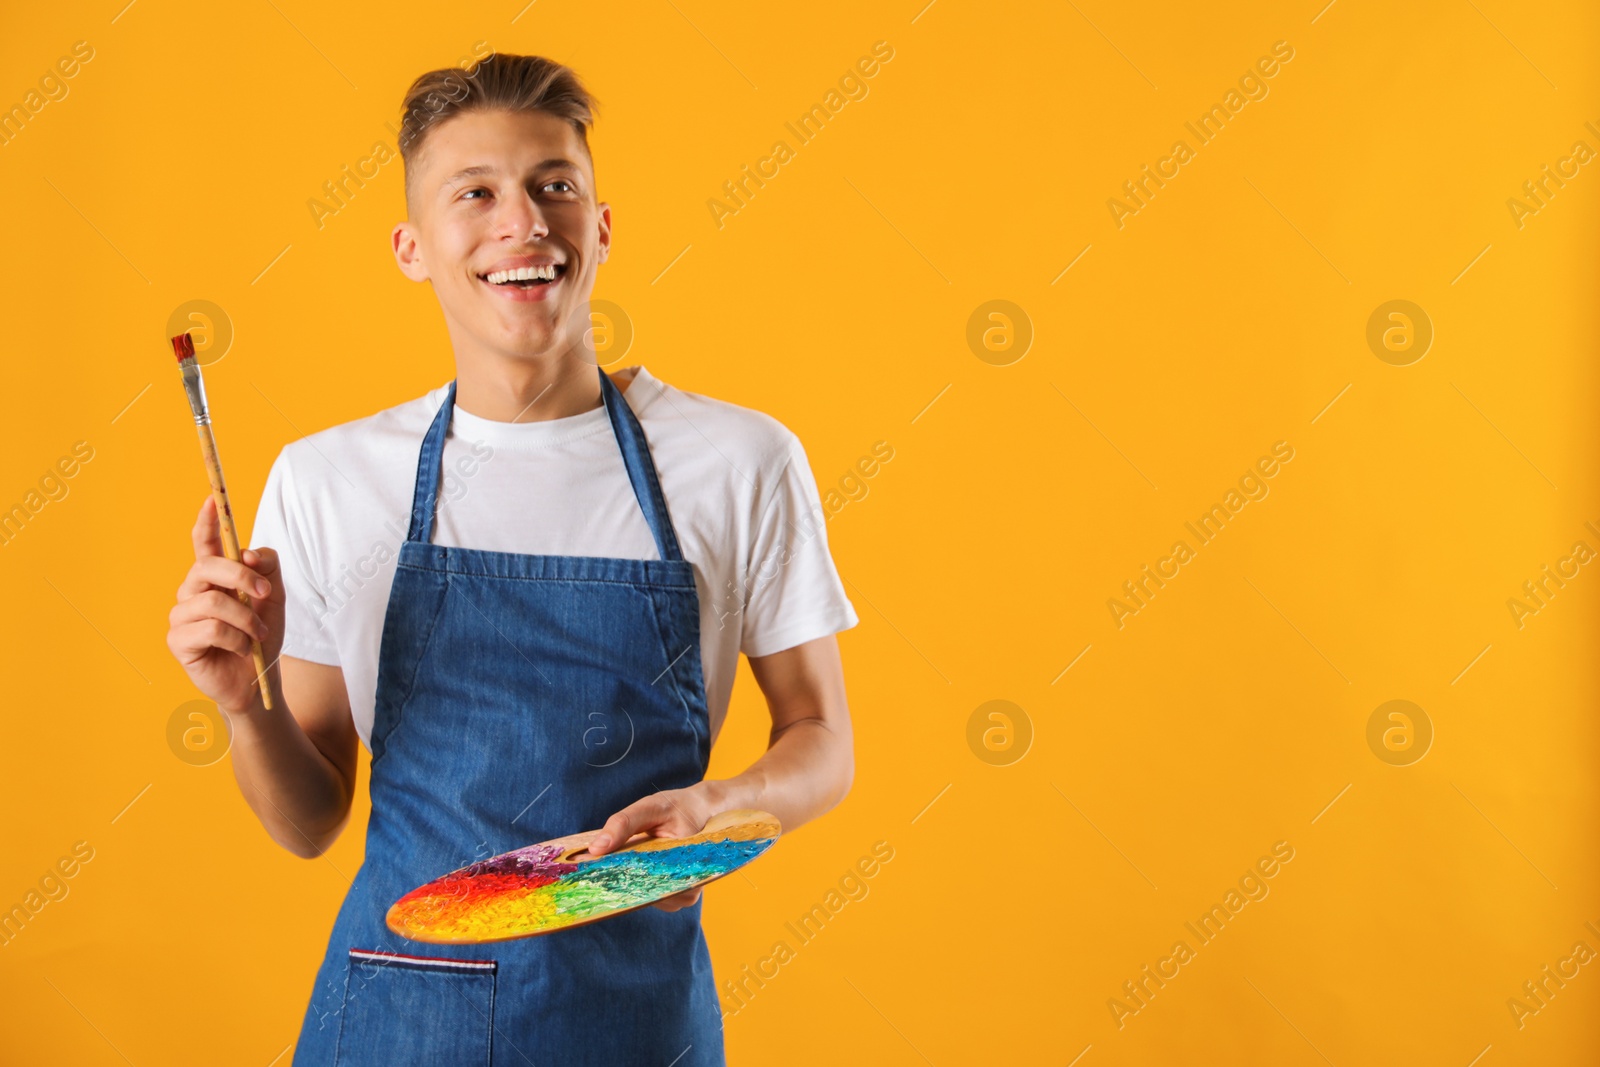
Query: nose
point(519, 220)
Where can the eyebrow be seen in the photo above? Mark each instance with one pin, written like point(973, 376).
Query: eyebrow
point(483, 169)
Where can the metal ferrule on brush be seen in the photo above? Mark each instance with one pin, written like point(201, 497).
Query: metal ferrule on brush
point(194, 387)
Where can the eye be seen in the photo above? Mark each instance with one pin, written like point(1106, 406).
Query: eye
point(469, 193)
point(561, 181)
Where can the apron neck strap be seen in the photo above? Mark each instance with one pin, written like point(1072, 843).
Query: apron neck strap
point(635, 456)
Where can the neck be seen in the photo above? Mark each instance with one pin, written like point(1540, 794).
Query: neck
point(531, 390)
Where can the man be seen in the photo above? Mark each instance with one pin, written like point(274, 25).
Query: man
point(525, 593)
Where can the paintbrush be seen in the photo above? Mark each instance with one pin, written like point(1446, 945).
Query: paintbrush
point(195, 387)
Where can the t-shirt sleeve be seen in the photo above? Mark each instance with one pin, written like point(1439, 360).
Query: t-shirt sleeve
point(793, 590)
point(279, 526)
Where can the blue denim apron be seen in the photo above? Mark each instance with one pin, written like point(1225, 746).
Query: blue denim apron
point(522, 698)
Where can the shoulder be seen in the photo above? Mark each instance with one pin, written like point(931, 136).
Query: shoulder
point(680, 423)
point(351, 455)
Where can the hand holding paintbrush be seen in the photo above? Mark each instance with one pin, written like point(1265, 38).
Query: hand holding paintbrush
point(198, 648)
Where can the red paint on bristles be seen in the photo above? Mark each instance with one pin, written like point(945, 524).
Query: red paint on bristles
point(183, 345)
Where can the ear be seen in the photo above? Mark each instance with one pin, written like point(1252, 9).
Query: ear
point(407, 253)
point(605, 230)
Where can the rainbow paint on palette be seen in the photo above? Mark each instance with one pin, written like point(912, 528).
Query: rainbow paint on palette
point(547, 887)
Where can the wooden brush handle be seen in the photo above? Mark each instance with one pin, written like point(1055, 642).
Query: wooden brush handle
point(230, 547)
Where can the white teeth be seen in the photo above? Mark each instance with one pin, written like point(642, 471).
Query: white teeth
point(522, 274)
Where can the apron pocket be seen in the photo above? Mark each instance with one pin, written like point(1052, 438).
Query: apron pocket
point(401, 1010)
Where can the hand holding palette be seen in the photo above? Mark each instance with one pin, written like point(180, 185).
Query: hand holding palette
point(555, 884)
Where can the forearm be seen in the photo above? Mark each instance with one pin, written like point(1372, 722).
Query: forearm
point(301, 798)
point(806, 770)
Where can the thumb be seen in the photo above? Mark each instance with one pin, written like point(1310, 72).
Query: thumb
point(264, 561)
point(617, 830)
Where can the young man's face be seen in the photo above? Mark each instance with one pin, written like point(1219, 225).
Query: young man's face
point(494, 191)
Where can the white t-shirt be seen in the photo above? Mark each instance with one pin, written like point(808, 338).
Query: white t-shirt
point(337, 505)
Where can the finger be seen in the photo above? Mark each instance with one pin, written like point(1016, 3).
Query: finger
point(644, 814)
point(207, 532)
point(193, 640)
point(220, 572)
point(617, 828)
point(679, 901)
point(263, 560)
point(224, 607)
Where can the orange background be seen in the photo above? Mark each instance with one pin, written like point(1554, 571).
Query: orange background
point(1228, 314)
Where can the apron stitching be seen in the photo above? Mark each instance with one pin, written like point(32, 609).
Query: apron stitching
point(563, 579)
point(426, 508)
point(411, 682)
point(494, 991)
point(344, 1001)
point(652, 502)
point(385, 958)
point(494, 988)
point(659, 499)
point(677, 687)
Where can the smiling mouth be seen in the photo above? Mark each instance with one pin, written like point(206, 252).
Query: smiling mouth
point(525, 277)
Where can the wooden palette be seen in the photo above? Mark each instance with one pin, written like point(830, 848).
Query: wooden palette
point(539, 889)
